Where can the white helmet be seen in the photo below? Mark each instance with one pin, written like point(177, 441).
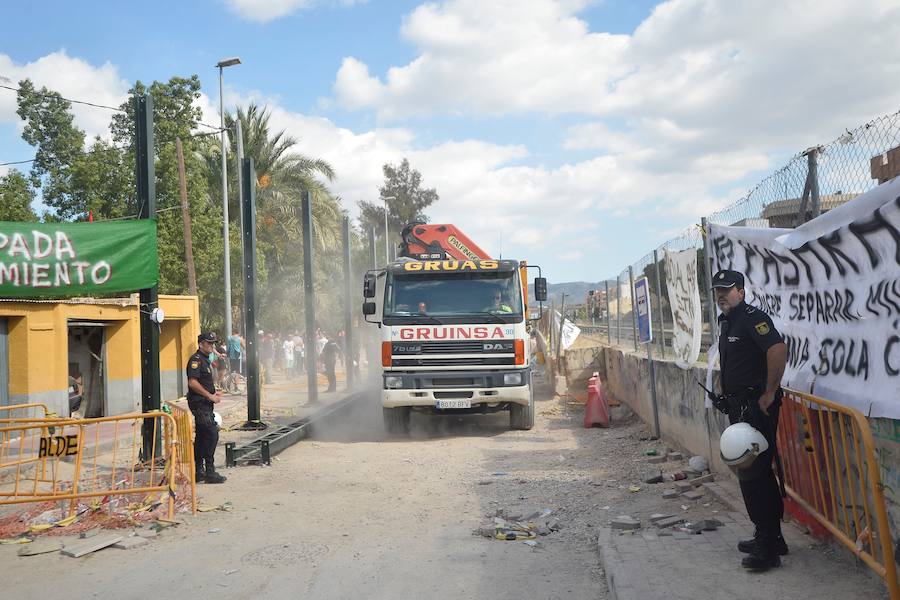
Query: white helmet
point(740, 444)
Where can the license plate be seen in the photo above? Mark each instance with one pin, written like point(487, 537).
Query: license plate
point(456, 403)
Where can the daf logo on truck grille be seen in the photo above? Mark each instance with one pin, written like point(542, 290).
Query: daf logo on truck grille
point(493, 346)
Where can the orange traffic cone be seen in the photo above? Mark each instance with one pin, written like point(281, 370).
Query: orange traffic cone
point(596, 411)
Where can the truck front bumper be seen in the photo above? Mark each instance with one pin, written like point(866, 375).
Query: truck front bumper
point(425, 388)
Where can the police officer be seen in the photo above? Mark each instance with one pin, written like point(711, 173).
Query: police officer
point(201, 396)
point(752, 356)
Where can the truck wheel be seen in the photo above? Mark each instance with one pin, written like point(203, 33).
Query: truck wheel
point(522, 417)
point(396, 420)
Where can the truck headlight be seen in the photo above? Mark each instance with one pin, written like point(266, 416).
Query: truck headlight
point(392, 382)
point(512, 379)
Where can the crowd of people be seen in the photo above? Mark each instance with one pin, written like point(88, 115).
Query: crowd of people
point(279, 353)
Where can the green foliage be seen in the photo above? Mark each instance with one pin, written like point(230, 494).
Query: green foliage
point(406, 199)
point(16, 196)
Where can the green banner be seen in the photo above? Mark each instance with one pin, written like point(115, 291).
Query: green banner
point(71, 259)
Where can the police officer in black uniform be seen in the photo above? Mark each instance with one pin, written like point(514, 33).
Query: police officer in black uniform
point(752, 356)
point(201, 396)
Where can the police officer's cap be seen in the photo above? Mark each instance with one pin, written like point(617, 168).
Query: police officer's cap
point(207, 336)
point(727, 278)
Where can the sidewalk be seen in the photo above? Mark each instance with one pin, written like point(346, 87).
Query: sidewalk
point(651, 563)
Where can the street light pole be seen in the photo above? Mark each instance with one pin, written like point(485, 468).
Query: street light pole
point(387, 251)
point(221, 66)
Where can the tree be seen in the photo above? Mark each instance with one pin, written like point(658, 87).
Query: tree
point(406, 199)
point(16, 196)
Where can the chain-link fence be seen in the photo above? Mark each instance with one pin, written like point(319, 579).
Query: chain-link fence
point(814, 181)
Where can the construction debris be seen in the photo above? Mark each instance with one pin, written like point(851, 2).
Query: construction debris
point(41, 546)
point(625, 522)
point(81, 547)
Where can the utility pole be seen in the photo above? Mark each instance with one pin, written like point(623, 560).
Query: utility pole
point(223, 134)
point(312, 383)
point(248, 209)
point(186, 220)
point(348, 312)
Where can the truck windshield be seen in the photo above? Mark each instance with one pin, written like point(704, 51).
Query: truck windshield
point(486, 295)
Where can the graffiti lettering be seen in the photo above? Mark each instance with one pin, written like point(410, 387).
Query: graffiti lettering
point(840, 356)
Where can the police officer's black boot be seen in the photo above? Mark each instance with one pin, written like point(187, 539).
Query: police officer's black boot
point(747, 546)
point(211, 475)
point(764, 554)
point(199, 474)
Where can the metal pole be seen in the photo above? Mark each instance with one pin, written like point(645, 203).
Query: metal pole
point(633, 311)
point(239, 134)
point(149, 297)
point(372, 252)
point(559, 338)
point(662, 318)
point(813, 172)
point(348, 314)
point(608, 326)
point(653, 390)
point(309, 298)
point(707, 268)
point(387, 245)
point(225, 208)
point(618, 311)
point(248, 234)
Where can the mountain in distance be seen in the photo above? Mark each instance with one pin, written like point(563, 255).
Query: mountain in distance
point(575, 291)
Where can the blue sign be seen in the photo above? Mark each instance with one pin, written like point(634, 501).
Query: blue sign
point(642, 302)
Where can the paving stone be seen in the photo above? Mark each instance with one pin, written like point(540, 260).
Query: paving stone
point(662, 523)
point(675, 456)
point(147, 533)
point(625, 522)
point(81, 547)
point(130, 542)
point(40, 546)
point(692, 495)
point(655, 460)
point(669, 494)
point(684, 486)
point(659, 516)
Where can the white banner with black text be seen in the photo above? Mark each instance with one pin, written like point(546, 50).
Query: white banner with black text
point(832, 288)
point(684, 299)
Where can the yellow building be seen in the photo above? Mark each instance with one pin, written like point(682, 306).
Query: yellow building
point(47, 345)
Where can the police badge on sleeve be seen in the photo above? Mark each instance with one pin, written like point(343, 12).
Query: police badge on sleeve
point(762, 328)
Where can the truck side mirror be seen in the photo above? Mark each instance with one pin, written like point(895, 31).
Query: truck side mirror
point(368, 308)
point(369, 287)
point(540, 289)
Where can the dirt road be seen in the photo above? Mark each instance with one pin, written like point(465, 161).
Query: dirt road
point(357, 514)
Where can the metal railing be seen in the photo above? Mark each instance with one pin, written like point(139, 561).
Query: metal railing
point(831, 471)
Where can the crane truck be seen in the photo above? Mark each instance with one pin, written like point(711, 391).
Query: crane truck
point(454, 328)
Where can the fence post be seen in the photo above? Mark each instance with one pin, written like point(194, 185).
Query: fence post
point(618, 311)
point(608, 326)
point(149, 297)
point(348, 313)
point(312, 380)
point(707, 268)
point(662, 318)
point(559, 338)
point(813, 173)
point(633, 311)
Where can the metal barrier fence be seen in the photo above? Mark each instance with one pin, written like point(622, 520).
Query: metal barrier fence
point(184, 434)
point(31, 410)
point(93, 460)
point(831, 471)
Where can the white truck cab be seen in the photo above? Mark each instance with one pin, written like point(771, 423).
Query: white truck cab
point(454, 338)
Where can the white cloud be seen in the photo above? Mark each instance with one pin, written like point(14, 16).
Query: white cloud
point(263, 11)
point(73, 78)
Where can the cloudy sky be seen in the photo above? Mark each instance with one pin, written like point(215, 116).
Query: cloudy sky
point(575, 134)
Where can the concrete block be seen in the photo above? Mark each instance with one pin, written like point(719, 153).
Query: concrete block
point(41, 546)
point(625, 522)
point(663, 523)
point(697, 481)
point(684, 486)
point(669, 494)
point(675, 456)
point(81, 547)
point(655, 460)
point(130, 542)
point(692, 495)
